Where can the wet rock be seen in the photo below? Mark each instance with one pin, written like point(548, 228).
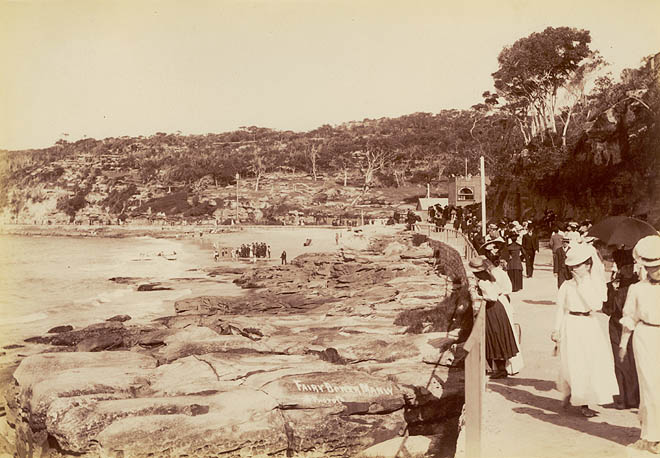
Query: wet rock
point(113, 333)
point(153, 287)
point(100, 342)
point(120, 318)
point(58, 329)
point(125, 280)
point(251, 303)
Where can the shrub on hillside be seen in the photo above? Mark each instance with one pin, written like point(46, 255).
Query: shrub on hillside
point(171, 204)
point(118, 199)
point(200, 209)
point(71, 205)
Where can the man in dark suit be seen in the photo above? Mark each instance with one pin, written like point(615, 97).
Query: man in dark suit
point(562, 272)
point(530, 243)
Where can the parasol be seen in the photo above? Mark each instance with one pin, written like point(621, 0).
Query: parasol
point(621, 230)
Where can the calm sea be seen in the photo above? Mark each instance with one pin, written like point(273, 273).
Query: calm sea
point(51, 281)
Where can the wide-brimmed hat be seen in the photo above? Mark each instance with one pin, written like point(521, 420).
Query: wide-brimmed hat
point(478, 264)
point(647, 251)
point(499, 241)
point(577, 254)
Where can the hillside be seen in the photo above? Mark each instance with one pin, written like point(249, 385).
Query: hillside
point(604, 160)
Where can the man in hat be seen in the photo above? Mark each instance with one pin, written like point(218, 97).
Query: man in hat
point(561, 271)
point(530, 244)
point(493, 233)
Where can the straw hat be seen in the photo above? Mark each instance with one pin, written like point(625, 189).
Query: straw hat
point(478, 264)
point(647, 251)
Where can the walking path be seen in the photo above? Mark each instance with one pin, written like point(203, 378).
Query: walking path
point(523, 415)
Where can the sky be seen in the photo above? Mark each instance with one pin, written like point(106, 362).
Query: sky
point(74, 69)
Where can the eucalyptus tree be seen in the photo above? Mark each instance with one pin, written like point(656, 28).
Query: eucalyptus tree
point(534, 68)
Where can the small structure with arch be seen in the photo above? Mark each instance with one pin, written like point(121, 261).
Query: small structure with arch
point(465, 190)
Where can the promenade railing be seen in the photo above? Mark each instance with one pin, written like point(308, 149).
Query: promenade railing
point(475, 361)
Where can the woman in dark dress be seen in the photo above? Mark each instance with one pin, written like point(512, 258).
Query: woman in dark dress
point(625, 370)
point(514, 254)
point(500, 340)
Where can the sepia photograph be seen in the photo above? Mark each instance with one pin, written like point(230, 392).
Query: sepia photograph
point(329, 228)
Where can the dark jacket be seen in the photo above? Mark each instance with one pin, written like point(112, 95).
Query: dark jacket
point(560, 268)
point(513, 254)
point(530, 243)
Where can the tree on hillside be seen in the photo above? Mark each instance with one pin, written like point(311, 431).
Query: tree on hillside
point(574, 90)
point(371, 158)
point(532, 70)
point(258, 162)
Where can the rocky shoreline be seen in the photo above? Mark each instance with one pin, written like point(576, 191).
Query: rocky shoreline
point(335, 354)
point(113, 231)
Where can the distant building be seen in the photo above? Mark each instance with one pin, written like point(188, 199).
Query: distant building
point(465, 191)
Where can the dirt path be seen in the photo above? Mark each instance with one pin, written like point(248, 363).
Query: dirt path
point(523, 414)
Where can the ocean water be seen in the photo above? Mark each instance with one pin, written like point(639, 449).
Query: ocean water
point(51, 281)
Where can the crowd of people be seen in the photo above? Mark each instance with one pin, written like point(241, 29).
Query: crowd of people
point(594, 369)
point(246, 250)
point(252, 250)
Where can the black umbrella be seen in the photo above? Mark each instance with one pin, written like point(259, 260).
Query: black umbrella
point(621, 230)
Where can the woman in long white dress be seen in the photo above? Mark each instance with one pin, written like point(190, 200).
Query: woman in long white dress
point(641, 314)
point(586, 374)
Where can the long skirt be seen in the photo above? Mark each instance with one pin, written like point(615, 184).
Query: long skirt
point(646, 342)
point(500, 341)
point(516, 279)
point(516, 363)
point(586, 367)
point(625, 371)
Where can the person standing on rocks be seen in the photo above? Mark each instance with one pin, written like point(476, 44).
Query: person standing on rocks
point(641, 318)
point(586, 365)
point(500, 339)
point(283, 257)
